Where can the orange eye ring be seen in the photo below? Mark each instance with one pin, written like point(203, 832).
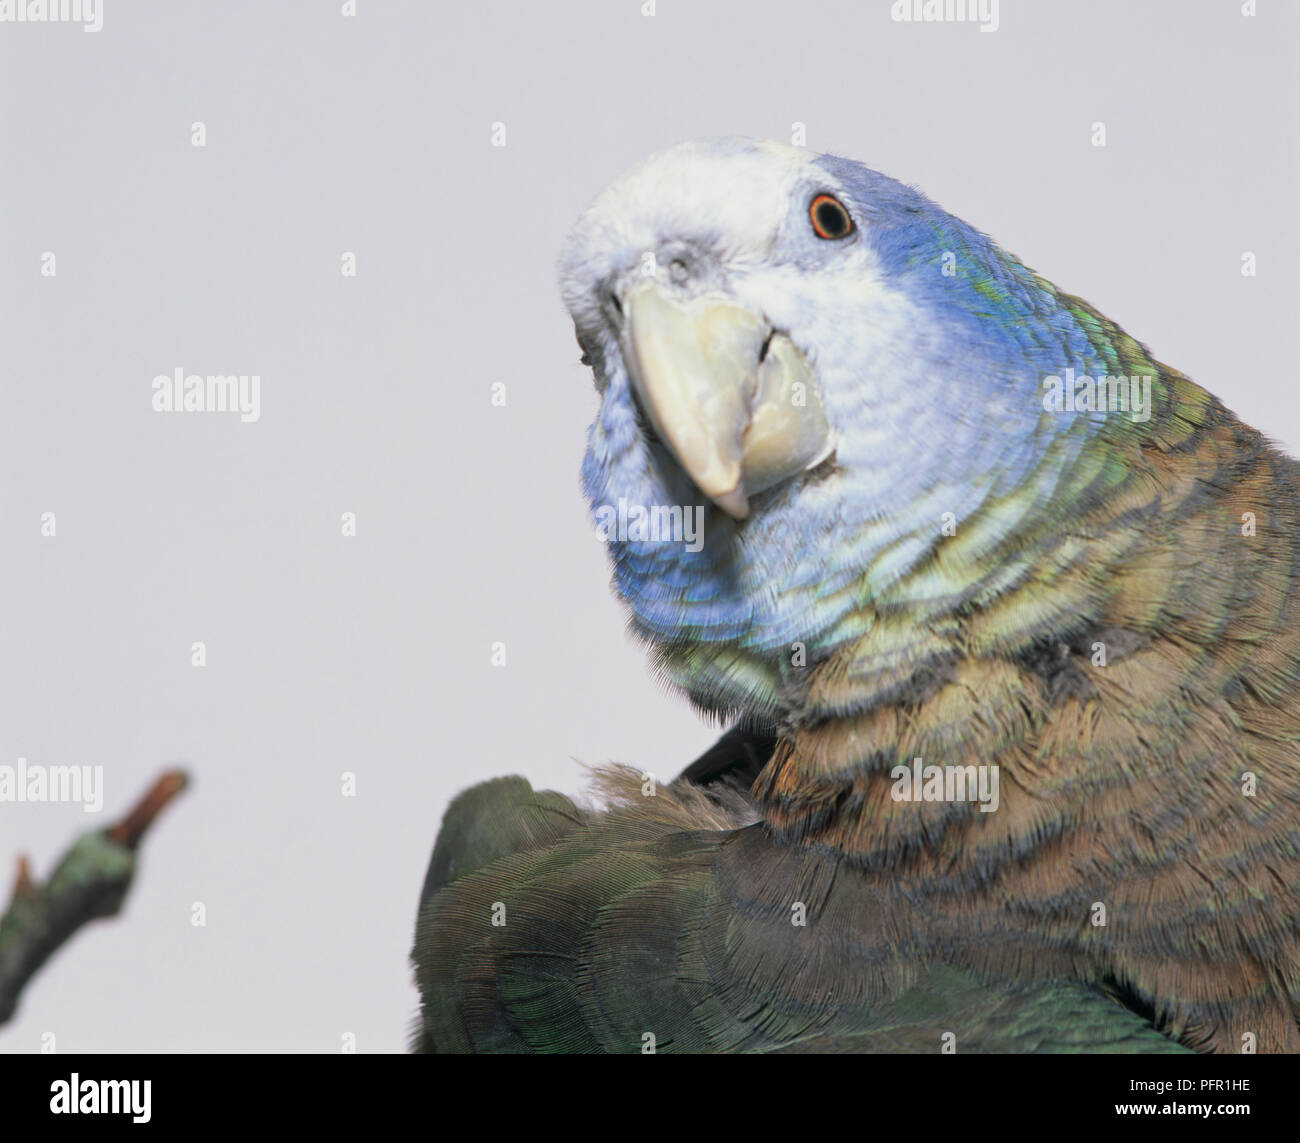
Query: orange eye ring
point(829, 218)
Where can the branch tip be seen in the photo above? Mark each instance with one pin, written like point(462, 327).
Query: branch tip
point(132, 828)
point(24, 885)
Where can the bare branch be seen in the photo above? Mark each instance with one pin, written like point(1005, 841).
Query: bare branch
point(90, 881)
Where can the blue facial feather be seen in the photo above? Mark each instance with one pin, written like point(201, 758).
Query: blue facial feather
point(932, 382)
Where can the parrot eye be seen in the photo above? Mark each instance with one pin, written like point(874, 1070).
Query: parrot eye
point(829, 218)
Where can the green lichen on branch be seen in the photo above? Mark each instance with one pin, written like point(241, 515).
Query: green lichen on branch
point(90, 881)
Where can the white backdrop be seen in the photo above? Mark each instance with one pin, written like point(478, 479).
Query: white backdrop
point(370, 655)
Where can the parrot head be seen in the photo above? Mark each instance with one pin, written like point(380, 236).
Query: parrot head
point(821, 364)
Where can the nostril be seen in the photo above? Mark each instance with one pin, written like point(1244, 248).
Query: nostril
point(611, 300)
point(767, 341)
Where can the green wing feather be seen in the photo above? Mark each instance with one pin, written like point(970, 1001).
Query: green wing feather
point(673, 921)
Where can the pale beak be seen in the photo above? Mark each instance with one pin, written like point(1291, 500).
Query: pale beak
point(735, 423)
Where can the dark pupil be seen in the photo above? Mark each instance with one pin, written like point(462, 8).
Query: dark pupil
point(831, 219)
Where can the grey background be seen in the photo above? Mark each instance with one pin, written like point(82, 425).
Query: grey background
point(371, 655)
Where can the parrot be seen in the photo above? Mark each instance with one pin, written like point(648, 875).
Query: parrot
point(998, 614)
